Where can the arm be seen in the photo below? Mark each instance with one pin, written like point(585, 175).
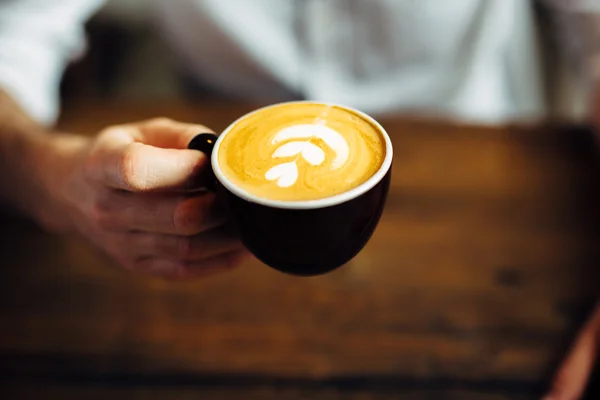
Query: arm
point(24, 151)
point(122, 190)
point(37, 40)
point(578, 22)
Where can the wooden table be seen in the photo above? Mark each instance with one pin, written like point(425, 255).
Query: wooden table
point(484, 264)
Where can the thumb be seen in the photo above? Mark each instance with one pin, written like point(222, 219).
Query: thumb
point(149, 156)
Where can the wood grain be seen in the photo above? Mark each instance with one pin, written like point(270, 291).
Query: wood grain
point(264, 393)
point(484, 263)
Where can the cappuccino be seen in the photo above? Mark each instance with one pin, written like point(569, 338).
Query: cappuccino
point(301, 151)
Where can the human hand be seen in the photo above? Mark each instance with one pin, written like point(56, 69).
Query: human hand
point(125, 191)
point(571, 379)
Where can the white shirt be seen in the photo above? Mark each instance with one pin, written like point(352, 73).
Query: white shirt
point(470, 59)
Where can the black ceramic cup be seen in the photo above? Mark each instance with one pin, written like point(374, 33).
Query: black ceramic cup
point(304, 238)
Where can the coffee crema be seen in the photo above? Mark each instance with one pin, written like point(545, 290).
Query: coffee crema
point(301, 151)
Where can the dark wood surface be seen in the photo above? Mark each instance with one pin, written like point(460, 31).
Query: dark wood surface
point(484, 264)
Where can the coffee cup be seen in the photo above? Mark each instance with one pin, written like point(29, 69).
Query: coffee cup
point(305, 182)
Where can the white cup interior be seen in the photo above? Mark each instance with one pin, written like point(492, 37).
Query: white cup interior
point(306, 204)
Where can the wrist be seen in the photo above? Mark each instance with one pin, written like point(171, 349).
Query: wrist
point(34, 166)
point(52, 160)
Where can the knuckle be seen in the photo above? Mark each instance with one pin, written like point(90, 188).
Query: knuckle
point(158, 269)
point(94, 165)
point(101, 214)
point(160, 121)
point(184, 248)
point(109, 133)
point(186, 218)
point(128, 167)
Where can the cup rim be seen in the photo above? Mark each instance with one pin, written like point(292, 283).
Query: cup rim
point(305, 204)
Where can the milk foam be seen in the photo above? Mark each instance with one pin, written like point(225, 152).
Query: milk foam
point(306, 151)
point(287, 174)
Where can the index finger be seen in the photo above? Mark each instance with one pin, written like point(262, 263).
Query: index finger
point(151, 155)
point(169, 134)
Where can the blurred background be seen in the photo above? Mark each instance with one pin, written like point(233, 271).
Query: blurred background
point(128, 59)
point(125, 57)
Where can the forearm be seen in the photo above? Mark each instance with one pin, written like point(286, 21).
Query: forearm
point(20, 141)
point(29, 155)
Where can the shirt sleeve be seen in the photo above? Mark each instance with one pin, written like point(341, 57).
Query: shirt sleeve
point(38, 38)
point(578, 22)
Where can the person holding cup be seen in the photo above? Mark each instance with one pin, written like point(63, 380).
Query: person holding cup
point(128, 189)
point(38, 39)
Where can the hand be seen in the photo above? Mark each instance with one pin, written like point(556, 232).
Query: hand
point(572, 376)
point(125, 191)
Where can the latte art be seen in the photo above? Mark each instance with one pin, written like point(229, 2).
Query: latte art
point(301, 151)
point(287, 173)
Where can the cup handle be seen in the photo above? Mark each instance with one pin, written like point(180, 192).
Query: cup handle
point(205, 142)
